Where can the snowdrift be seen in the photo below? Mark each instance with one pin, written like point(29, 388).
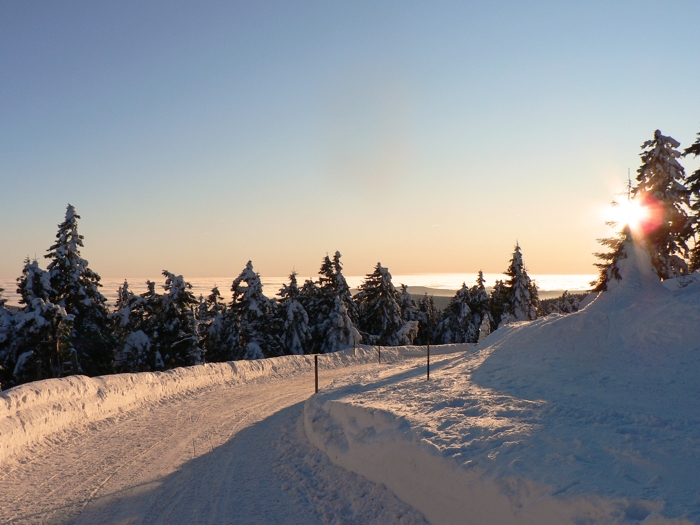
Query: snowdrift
point(30, 412)
point(586, 418)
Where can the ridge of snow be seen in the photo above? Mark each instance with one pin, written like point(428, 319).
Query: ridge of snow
point(33, 411)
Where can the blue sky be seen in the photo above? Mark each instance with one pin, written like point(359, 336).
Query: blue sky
point(196, 136)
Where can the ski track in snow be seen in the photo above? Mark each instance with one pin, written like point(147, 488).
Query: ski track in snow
point(226, 454)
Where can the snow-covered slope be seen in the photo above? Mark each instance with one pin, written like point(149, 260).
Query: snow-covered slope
point(35, 410)
point(588, 418)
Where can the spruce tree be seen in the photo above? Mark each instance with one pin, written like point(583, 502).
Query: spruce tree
point(214, 330)
point(406, 304)
point(6, 331)
point(338, 330)
point(253, 315)
point(609, 267)
point(380, 315)
point(480, 306)
point(661, 189)
point(296, 332)
point(311, 299)
point(324, 303)
point(408, 333)
point(457, 323)
point(567, 304)
point(428, 317)
point(498, 302)
point(342, 289)
point(333, 326)
point(75, 287)
point(133, 343)
point(177, 339)
point(41, 346)
point(332, 284)
point(523, 298)
point(693, 184)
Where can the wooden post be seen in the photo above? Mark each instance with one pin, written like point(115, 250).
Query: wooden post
point(379, 353)
point(316, 370)
point(427, 369)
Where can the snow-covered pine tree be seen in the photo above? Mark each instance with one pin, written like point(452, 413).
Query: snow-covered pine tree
point(177, 340)
point(6, 319)
point(484, 329)
point(535, 298)
point(428, 317)
point(311, 298)
point(214, 331)
point(479, 305)
point(75, 287)
point(326, 275)
point(408, 333)
point(457, 323)
point(296, 333)
point(567, 304)
point(330, 328)
point(150, 310)
point(406, 304)
point(380, 313)
point(332, 284)
point(661, 189)
point(523, 299)
point(338, 329)
point(342, 289)
point(609, 267)
point(498, 302)
point(253, 314)
point(134, 345)
point(693, 184)
point(41, 346)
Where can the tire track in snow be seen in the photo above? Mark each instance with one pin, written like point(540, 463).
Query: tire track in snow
point(148, 465)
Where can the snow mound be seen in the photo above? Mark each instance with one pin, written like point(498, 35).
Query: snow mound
point(587, 418)
point(30, 412)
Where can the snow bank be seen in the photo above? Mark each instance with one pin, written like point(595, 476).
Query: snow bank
point(33, 411)
point(587, 418)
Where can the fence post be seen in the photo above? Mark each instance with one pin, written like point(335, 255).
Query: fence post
point(427, 368)
point(379, 353)
point(316, 370)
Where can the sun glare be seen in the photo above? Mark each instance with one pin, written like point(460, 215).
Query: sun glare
point(631, 213)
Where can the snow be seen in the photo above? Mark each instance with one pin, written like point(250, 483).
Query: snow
point(586, 418)
point(231, 452)
point(30, 412)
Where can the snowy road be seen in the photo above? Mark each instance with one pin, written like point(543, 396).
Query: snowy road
point(233, 454)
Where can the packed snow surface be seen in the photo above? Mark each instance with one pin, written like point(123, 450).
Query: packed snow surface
point(220, 443)
point(591, 418)
point(35, 410)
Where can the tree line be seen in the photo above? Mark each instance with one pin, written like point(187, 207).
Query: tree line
point(64, 325)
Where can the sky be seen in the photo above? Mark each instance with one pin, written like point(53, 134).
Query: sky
point(194, 136)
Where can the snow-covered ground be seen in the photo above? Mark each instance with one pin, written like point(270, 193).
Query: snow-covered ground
point(582, 419)
point(220, 443)
point(588, 418)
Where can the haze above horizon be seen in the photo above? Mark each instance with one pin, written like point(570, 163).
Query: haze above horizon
point(195, 137)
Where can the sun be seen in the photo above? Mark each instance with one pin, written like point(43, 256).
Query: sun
point(632, 213)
